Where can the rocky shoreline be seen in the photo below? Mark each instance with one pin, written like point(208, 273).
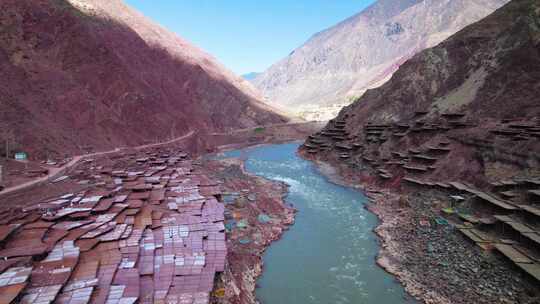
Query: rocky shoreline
point(250, 234)
point(433, 262)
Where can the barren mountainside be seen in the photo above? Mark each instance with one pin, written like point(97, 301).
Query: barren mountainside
point(96, 74)
point(461, 118)
point(363, 51)
point(489, 71)
point(476, 92)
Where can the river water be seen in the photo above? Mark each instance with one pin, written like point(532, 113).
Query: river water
point(328, 256)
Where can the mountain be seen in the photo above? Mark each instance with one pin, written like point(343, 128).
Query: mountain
point(476, 92)
point(337, 65)
point(461, 118)
point(97, 73)
point(250, 76)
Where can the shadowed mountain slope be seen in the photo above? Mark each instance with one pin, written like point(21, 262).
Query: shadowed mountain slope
point(96, 74)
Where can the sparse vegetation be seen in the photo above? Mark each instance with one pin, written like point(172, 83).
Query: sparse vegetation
point(352, 99)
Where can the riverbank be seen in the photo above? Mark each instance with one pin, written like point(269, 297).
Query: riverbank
point(434, 263)
point(387, 257)
point(247, 239)
point(21, 178)
point(256, 215)
point(329, 254)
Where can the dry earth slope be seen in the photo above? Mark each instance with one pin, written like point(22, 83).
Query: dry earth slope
point(479, 87)
point(488, 71)
point(363, 51)
point(96, 74)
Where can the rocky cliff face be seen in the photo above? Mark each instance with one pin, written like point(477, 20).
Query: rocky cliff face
point(95, 74)
point(362, 52)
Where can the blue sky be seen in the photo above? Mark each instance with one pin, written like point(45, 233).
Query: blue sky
point(248, 35)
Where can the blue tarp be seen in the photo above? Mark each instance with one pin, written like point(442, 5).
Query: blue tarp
point(230, 225)
point(264, 218)
point(242, 224)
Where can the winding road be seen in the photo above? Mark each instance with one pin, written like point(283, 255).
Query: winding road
point(55, 172)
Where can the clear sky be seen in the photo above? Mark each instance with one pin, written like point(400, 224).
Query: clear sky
point(248, 35)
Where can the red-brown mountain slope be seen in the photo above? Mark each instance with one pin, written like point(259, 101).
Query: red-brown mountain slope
point(461, 118)
point(96, 74)
point(467, 88)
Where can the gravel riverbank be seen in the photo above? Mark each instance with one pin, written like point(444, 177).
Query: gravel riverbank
point(432, 260)
point(256, 215)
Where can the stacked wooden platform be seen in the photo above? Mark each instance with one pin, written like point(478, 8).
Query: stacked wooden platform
point(149, 232)
point(515, 229)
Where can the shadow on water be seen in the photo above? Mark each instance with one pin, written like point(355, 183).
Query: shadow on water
point(328, 256)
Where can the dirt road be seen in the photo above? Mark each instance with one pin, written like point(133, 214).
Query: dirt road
point(55, 172)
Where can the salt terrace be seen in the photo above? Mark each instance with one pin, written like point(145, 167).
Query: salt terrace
point(503, 217)
point(147, 228)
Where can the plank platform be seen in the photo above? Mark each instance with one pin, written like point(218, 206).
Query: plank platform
point(471, 235)
point(531, 269)
point(513, 254)
point(125, 245)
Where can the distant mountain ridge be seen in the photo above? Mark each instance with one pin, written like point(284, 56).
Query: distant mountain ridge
point(363, 51)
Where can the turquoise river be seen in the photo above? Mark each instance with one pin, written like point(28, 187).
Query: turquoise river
point(328, 256)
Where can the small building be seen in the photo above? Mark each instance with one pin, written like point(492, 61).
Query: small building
point(21, 156)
